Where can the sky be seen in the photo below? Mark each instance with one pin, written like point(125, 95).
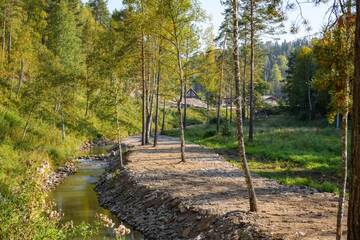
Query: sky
point(316, 16)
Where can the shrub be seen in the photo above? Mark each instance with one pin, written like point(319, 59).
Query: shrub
point(226, 131)
point(209, 133)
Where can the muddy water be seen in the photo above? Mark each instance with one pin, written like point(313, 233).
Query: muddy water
point(76, 198)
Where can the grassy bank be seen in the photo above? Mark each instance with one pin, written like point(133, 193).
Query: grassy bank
point(291, 151)
point(31, 146)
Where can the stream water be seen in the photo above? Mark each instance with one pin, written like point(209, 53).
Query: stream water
point(77, 200)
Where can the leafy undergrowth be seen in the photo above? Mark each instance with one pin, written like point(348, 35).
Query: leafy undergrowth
point(291, 151)
point(27, 144)
point(194, 116)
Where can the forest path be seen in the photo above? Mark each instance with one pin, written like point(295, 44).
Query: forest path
point(206, 181)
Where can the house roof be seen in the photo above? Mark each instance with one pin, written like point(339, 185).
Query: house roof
point(191, 93)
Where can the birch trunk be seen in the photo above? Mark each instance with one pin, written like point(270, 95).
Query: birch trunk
point(244, 78)
point(220, 88)
point(157, 101)
point(239, 120)
point(62, 124)
point(163, 117)
point(252, 70)
point(143, 89)
point(342, 185)
point(180, 112)
point(21, 76)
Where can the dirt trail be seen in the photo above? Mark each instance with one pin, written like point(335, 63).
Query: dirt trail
point(206, 181)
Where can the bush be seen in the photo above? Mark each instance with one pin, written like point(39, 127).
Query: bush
point(55, 154)
point(9, 124)
point(209, 133)
point(225, 130)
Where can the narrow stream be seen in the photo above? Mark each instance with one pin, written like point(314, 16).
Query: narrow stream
point(76, 198)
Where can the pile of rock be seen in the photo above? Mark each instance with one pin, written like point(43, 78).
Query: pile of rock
point(160, 216)
point(98, 142)
point(59, 175)
point(100, 157)
point(86, 146)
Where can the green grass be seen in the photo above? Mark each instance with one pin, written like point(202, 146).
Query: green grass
point(193, 117)
point(23, 202)
point(291, 151)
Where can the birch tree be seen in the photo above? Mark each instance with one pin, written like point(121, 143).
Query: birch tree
point(238, 102)
point(179, 16)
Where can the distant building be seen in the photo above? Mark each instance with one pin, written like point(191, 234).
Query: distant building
point(270, 100)
point(191, 93)
point(193, 99)
point(227, 102)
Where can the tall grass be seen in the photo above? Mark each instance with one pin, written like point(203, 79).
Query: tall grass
point(291, 151)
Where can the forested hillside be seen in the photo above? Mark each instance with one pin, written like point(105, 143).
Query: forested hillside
point(57, 91)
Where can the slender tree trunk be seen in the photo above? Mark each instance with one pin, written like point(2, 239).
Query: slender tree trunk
point(185, 104)
point(118, 129)
point(207, 109)
point(310, 103)
point(157, 101)
point(342, 185)
point(149, 120)
point(227, 113)
point(27, 123)
point(147, 100)
point(239, 119)
point(9, 47)
point(231, 104)
point(87, 103)
point(354, 198)
point(88, 92)
point(218, 109)
point(119, 138)
point(163, 117)
point(119, 135)
point(151, 92)
point(244, 78)
point(4, 39)
point(252, 70)
point(218, 113)
point(21, 76)
point(180, 112)
point(186, 86)
point(62, 124)
point(143, 88)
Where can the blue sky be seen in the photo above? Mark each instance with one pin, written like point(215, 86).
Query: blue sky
point(315, 15)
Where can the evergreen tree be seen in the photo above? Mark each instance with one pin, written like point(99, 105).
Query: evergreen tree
point(299, 81)
point(100, 11)
point(65, 44)
point(275, 80)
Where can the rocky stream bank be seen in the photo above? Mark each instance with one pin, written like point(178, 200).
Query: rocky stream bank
point(159, 215)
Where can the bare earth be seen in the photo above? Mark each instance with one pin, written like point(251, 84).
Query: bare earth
point(206, 181)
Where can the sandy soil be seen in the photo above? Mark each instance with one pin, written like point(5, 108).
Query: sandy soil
point(208, 182)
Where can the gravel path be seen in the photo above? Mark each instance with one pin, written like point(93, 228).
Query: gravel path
point(209, 183)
